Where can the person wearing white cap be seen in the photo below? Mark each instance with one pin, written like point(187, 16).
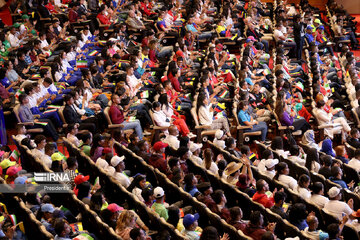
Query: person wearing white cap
point(119, 165)
point(158, 206)
point(195, 149)
point(219, 139)
point(270, 167)
point(336, 207)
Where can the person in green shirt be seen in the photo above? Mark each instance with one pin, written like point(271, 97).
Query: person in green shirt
point(158, 206)
point(85, 145)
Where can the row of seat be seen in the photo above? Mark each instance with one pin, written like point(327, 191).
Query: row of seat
point(116, 193)
point(90, 220)
point(174, 193)
point(16, 206)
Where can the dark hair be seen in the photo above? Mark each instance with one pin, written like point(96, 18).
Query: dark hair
point(297, 213)
point(294, 150)
point(84, 189)
point(209, 233)
point(312, 155)
point(326, 160)
point(317, 187)
point(235, 212)
point(267, 153)
point(135, 182)
point(277, 143)
point(333, 230)
point(244, 149)
point(255, 218)
point(71, 162)
point(49, 146)
point(173, 213)
point(188, 181)
point(335, 170)
point(97, 138)
point(39, 138)
point(217, 196)
point(59, 226)
point(27, 142)
point(279, 196)
point(279, 168)
point(96, 202)
point(302, 180)
point(260, 184)
point(135, 233)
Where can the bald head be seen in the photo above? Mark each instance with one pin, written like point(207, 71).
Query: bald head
point(173, 130)
point(313, 222)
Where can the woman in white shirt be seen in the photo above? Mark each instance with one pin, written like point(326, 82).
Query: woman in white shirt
point(170, 112)
point(324, 118)
point(208, 162)
point(162, 120)
point(282, 173)
point(206, 115)
point(312, 160)
point(317, 197)
point(303, 187)
point(277, 146)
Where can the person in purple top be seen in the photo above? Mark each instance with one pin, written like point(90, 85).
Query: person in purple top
point(287, 119)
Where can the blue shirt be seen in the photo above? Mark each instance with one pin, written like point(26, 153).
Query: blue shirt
point(243, 117)
point(6, 82)
point(191, 28)
point(339, 181)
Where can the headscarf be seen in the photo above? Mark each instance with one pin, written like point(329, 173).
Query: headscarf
point(308, 139)
point(327, 147)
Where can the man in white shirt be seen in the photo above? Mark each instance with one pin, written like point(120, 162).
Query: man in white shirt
point(336, 207)
point(317, 196)
point(119, 165)
point(13, 39)
point(219, 139)
point(270, 167)
point(355, 161)
point(172, 139)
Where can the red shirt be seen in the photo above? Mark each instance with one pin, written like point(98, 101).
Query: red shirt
point(152, 55)
point(103, 19)
point(146, 9)
point(175, 83)
point(50, 7)
point(116, 115)
point(263, 199)
point(73, 16)
point(158, 161)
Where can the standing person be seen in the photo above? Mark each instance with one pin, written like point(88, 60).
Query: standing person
point(299, 34)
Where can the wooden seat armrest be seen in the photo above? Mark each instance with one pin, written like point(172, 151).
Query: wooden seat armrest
point(326, 126)
point(203, 127)
point(160, 128)
point(244, 127)
point(116, 126)
point(286, 127)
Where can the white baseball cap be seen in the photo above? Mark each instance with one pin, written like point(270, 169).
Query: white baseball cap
point(115, 160)
point(333, 192)
point(269, 163)
point(219, 134)
point(158, 192)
